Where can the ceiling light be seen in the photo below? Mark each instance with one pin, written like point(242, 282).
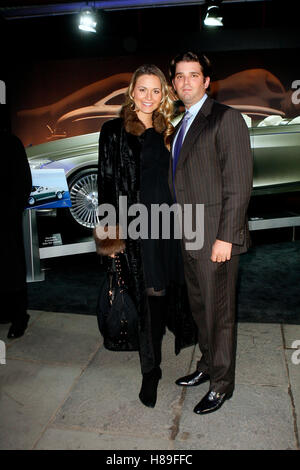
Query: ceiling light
point(87, 20)
point(213, 16)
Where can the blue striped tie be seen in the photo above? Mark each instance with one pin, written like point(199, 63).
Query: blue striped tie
point(178, 144)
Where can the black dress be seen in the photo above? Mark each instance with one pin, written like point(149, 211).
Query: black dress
point(161, 257)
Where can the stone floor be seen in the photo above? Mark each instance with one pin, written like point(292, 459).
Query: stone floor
point(60, 389)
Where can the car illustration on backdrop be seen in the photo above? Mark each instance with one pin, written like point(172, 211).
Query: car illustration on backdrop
point(275, 143)
point(88, 119)
point(80, 112)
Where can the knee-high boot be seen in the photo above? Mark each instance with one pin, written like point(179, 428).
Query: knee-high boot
point(148, 393)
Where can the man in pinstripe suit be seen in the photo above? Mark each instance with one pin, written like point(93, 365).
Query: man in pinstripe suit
point(212, 165)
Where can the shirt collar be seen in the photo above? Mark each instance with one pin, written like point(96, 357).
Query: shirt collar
point(197, 106)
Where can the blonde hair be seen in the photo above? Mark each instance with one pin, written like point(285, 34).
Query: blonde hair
point(166, 105)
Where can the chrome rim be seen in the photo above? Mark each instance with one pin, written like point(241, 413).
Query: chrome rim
point(84, 198)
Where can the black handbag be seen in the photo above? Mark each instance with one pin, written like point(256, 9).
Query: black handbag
point(116, 312)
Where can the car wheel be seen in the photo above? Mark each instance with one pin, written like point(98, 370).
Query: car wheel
point(83, 188)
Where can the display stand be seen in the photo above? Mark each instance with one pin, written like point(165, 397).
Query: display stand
point(69, 249)
point(33, 253)
point(31, 245)
point(287, 219)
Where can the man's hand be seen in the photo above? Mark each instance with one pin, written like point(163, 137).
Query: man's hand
point(221, 251)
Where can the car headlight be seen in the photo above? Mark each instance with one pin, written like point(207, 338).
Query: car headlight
point(38, 164)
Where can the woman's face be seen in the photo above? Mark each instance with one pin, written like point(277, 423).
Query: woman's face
point(147, 94)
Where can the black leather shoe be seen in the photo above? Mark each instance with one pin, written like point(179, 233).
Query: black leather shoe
point(148, 393)
point(18, 329)
point(212, 401)
point(191, 380)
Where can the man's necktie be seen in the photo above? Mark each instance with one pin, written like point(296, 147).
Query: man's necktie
point(178, 143)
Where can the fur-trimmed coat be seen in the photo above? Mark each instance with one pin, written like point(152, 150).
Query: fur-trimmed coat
point(120, 146)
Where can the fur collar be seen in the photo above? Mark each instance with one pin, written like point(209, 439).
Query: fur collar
point(134, 126)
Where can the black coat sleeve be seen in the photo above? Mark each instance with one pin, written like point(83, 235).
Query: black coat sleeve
point(107, 234)
point(15, 166)
point(237, 175)
point(106, 171)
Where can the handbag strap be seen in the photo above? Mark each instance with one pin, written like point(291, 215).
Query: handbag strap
point(119, 267)
point(120, 280)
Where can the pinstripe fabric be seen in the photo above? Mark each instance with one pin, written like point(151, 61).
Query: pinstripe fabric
point(215, 168)
point(211, 290)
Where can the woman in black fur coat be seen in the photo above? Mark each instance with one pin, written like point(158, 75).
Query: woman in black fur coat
point(134, 162)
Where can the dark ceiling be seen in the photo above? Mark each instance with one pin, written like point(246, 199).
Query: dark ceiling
point(27, 8)
point(247, 24)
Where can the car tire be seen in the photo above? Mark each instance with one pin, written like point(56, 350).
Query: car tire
point(83, 188)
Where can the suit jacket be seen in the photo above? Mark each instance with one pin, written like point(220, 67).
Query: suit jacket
point(215, 168)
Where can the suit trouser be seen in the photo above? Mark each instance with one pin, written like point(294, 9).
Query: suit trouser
point(211, 289)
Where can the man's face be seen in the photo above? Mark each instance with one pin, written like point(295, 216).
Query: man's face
point(189, 82)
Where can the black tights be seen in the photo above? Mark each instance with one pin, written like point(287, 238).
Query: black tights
point(157, 305)
point(148, 393)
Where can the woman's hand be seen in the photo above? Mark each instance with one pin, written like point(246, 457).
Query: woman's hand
point(115, 254)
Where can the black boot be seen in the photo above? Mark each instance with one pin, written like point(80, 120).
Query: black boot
point(18, 327)
point(148, 393)
point(18, 311)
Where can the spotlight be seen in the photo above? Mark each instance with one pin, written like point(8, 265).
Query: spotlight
point(87, 20)
point(213, 16)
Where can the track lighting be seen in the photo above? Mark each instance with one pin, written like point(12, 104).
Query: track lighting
point(87, 20)
point(213, 16)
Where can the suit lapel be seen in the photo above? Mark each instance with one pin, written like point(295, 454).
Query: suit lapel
point(196, 128)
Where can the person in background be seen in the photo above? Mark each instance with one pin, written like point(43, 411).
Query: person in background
point(211, 165)
point(134, 162)
point(16, 188)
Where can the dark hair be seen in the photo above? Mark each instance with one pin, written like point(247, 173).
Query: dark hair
point(191, 57)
